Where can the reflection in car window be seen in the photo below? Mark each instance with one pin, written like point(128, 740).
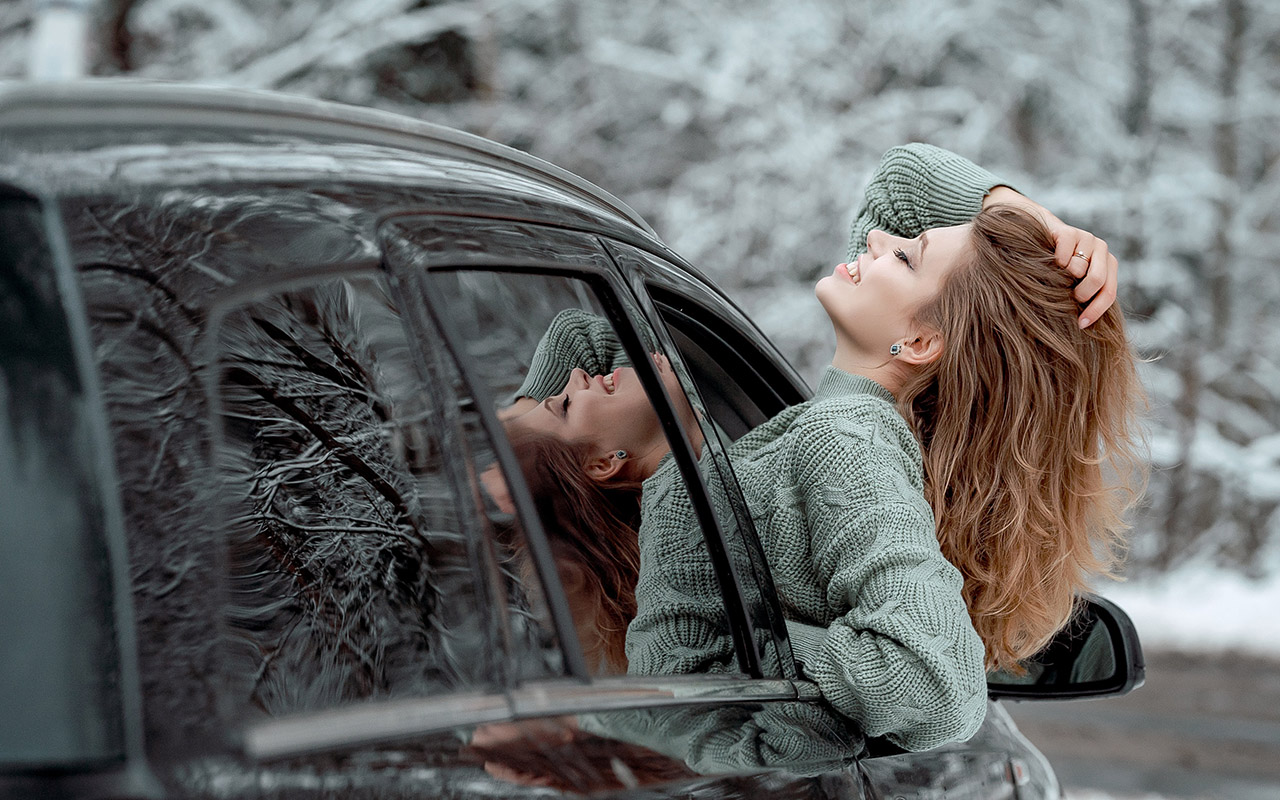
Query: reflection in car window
point(644, 595)
point(715, 369)
point(352, 571)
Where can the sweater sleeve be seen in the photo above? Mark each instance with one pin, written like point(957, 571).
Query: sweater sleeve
point(917, 187)
point(575, 338)
point(680, 624)
point(900, 656)
point(803, 738)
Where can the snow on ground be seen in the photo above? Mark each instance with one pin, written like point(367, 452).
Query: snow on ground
point(1203, 609)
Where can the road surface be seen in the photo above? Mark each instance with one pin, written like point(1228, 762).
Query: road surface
point(1202, 726)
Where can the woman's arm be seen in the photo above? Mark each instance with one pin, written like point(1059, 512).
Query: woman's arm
point(901, 657)
point(575, 338)
point(918, 186)
point(680, 624)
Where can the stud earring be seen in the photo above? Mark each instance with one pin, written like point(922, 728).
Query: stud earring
point(621, 454)
point(895, 349)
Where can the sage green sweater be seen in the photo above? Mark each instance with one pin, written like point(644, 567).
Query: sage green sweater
point(835, 489)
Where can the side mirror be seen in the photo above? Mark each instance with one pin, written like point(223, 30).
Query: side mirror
point(1096, 655)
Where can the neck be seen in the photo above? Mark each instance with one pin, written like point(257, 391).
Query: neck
point(886, 372)
point(647, 463)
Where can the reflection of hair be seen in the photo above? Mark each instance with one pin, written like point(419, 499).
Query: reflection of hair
point(1022, 419)
point(583, 763)
point(593, 526)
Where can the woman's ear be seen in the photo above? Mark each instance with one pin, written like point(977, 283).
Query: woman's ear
point(605, 468)
point(924, 349)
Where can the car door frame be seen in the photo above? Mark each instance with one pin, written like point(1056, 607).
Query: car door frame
point(607, 288)
point(576, 692)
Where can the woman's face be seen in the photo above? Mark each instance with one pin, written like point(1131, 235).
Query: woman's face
point(872, 300)
point(610, 412)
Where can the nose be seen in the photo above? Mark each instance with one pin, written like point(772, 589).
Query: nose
point(578, 380)
point(878, 242)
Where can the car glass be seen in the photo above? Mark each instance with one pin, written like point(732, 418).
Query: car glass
point(627, 544)
point(302, 526)
point(714, 365)
point(58, 666)
point(356, 567)
point(151, 262)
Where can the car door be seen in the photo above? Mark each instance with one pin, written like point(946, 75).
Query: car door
point(326, 592)
point(494, 300)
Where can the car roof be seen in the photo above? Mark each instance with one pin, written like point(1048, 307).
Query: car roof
point(113, 135)
point(88, 114)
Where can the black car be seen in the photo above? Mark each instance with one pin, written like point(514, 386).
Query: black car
point(263, 533)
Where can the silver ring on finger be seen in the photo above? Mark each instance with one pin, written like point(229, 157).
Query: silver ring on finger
point(1080, 255)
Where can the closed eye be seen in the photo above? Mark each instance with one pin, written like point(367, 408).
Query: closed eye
point(902, 254)
point(564, 407)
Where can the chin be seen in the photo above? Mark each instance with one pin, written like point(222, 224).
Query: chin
point(836, 305)
point(828, 294)
point(823, 288)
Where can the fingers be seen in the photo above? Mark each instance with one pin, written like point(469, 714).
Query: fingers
point(1100, 284)
point(1088, 259)
point(1071, 241)
point(1094, 274)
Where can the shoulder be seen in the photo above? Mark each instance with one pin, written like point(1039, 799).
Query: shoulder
point(856, 431)
point(848, 419)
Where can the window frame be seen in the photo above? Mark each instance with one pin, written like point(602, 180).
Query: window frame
point(607, 289)
point(577, 692)
point(650, 270)
point(679, 297)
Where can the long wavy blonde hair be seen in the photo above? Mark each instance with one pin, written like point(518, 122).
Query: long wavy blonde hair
point(1028, 427)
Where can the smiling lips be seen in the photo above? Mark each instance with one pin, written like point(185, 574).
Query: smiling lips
point(855, 270)
point(610, 381)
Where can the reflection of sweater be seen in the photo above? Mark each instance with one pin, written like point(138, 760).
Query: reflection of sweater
point(835, 489)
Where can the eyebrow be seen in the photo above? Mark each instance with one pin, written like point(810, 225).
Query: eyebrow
point(924, 242)
point(547, 405)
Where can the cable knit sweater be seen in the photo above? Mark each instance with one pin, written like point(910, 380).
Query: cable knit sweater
point(835, 489)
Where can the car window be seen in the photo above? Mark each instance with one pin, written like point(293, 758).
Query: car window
point(356, 564)
point(632, 566)
point(59, 665)
point(305, 530)
point(740, 384)
point(742, 376)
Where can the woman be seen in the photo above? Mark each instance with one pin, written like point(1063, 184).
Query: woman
point(940, 322)
point(594, 542)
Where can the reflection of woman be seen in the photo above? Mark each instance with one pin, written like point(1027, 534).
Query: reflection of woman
point(593, 541)
point(953, 337)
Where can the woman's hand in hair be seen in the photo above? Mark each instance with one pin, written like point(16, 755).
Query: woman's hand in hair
point(1082, 254)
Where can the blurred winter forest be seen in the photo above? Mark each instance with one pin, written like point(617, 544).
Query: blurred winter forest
point(744, 130)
